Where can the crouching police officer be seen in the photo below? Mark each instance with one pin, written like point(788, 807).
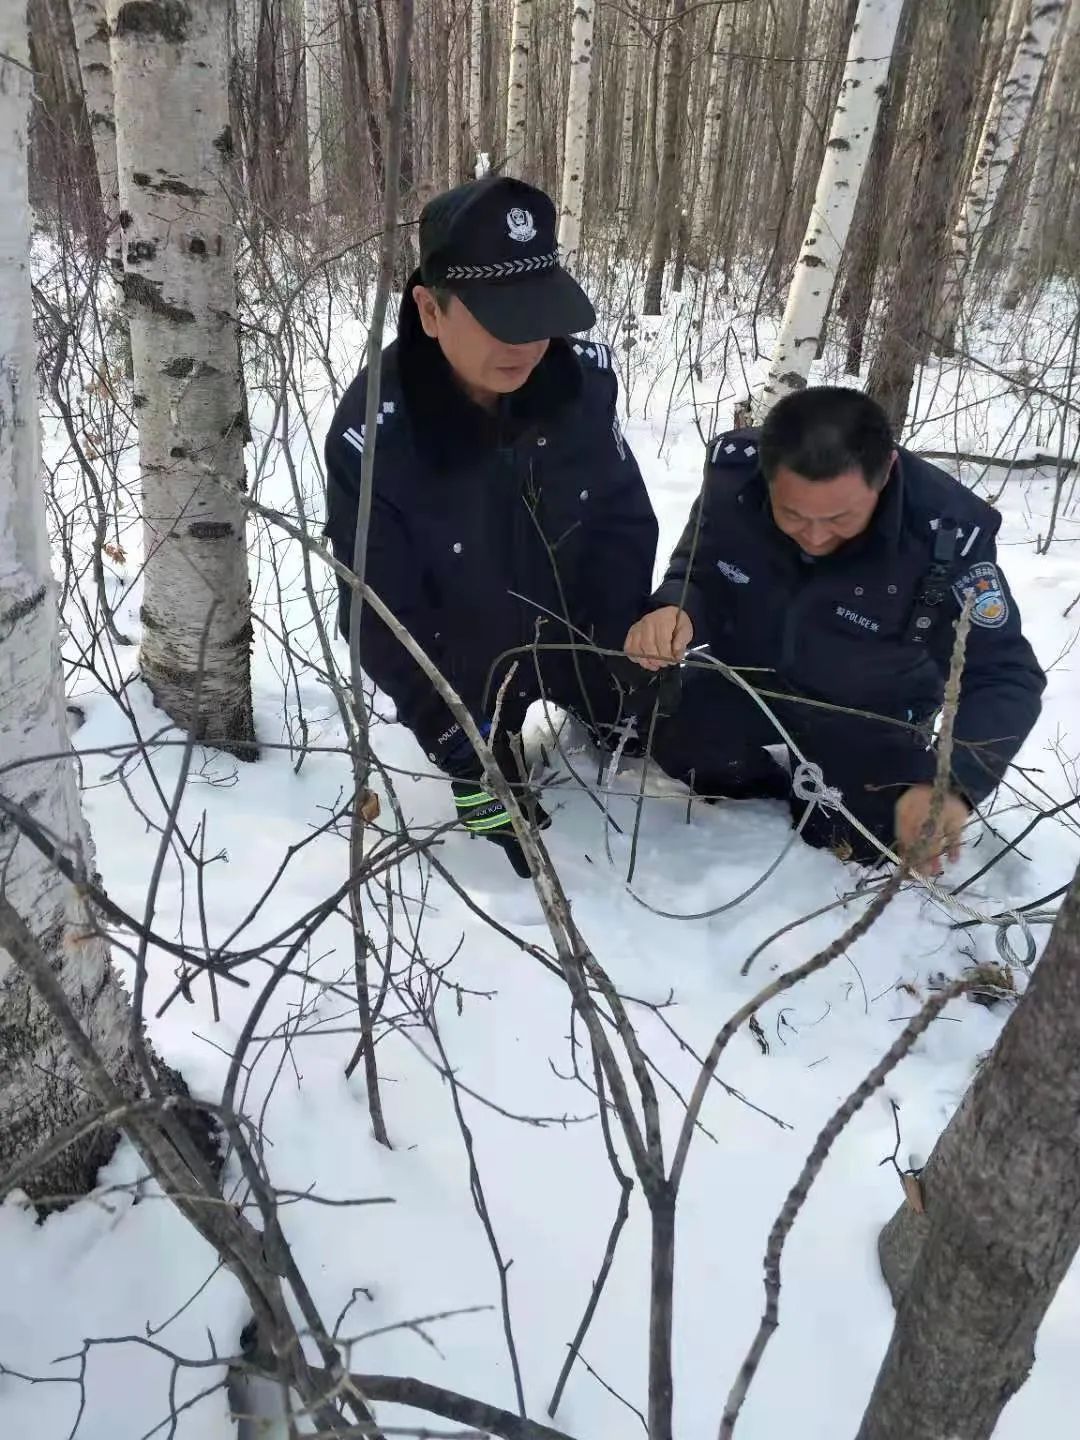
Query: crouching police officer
point(508, 513)
point(822, 553)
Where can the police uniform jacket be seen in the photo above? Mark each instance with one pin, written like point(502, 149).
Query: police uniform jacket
point(484, 525)
point(872, 625)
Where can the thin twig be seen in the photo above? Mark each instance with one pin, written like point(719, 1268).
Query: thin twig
point(915, 1027)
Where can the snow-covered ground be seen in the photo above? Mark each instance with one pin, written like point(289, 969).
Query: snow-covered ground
point(126, 1265)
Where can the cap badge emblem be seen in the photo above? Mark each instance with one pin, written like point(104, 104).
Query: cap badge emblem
point(520, 225)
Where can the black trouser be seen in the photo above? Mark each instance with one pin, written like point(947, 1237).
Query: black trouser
point(714, 743)
point(602, 691)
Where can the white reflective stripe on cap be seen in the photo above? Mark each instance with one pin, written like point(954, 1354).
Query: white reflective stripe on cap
point(503, 269)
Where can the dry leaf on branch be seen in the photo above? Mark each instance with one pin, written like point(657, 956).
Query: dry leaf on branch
point(913, 1192)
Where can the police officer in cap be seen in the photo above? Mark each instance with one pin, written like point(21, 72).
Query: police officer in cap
point(833, 564)
point(509, 519)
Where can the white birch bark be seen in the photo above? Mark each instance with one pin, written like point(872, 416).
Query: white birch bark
point(41, 1088)
point(517, 87)
point(866, 73)
point(457, 92)
point(92, 47)
point(248, 26)
point(714, 121)
point(476, 109)
point(1042, 175)
point(174, 148)
point(315, 29)
point(1000, 137)
point(632, 65)
point(576, 134)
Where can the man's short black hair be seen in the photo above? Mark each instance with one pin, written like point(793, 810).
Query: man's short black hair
point(824, 431)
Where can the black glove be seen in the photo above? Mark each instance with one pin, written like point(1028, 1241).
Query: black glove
point(483, 814)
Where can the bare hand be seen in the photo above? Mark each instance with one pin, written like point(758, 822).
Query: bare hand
point(912, 815)
point(660, 638)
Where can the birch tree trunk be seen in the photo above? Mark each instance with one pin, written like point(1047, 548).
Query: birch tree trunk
point(362, 77)
point(667, 186)
point(861, 266)
point(441, 101)
point(314, 40)
point(92, 47)
point(41, 1087)
point(1000, 137)
point(908, 319)
point(627, 175)
point(865, 82)
point(517, 87)
point(575, 144)
point(459, 118)
point(715, 113)
point(476, 90)
point(1042, 176)
point(169, 63)
point(248, 27)
point(975, 1274)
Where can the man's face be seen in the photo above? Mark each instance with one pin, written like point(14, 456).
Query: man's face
point(822, 515)
point(485, 367)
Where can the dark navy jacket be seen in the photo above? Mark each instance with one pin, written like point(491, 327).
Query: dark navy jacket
point(483, 525)
point(839, 629)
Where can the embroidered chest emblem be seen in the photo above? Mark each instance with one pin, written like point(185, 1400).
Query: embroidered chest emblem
point(733, 573)
point(853, 617)
point(983, 583)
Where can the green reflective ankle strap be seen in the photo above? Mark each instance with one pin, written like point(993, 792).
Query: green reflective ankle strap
point(478, 797)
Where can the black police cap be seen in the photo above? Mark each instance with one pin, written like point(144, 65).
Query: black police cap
point(492, 243)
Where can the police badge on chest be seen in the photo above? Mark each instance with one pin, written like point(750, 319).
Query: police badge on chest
point(983, 583)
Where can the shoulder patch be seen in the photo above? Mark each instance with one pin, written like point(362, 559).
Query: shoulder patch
point(355, 435)
point(591, 352)
point(733, 449)
point(983, 582)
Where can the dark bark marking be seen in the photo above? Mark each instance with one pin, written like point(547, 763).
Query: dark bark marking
point(224, 141)
point(838, 144)
point(165, 19)
point(19, 611)
point(238, 422)
point(243, 636)
point(125, 219)
point(197, 245)
point(182, 366)
point(209, 529)
point(177, 187)
point(140, 178)
point(180, 452)
point(138, 290)
point(141, 250)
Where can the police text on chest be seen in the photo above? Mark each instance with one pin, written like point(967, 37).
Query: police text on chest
point(855, 618)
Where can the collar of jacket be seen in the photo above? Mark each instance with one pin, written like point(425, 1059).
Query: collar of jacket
point(886, 523)
point(450, 430)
